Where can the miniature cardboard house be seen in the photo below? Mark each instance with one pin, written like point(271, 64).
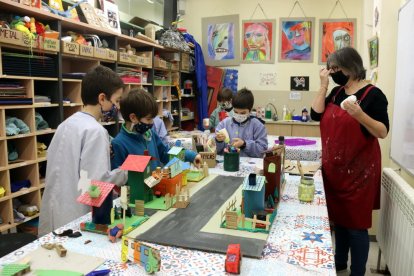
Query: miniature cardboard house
point(138, 167)
point(253, 194)
point(102, 204)
point(167, 185)
point(177, 152)
point(273, 169)
point(185, 166)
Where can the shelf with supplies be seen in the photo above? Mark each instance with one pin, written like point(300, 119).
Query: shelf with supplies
point(49, 96)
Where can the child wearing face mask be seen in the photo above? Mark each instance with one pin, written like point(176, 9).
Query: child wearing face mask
point(224, 104)
point(139, 109)
point(81, 143)
point(246, 132)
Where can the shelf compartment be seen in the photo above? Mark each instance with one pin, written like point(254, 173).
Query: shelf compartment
point(26, 150)
point(45, 139)
point(30, 173)
point(77, 65)
point(26, 115)
point(72, 91)
point(22, 63)
point(33, 199)
point(6, 214)
point(70, 110)
point(48, 89)
point(49, 115)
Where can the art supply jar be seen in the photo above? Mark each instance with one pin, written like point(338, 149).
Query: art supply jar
point(231, 161)
point(306, 189)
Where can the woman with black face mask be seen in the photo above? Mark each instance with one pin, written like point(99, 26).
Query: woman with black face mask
point(351, 156)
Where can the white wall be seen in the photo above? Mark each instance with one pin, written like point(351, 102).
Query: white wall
point(249, 73)
point(143, 9)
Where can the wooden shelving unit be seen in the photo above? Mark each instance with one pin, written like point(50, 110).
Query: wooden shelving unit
point(59, 88)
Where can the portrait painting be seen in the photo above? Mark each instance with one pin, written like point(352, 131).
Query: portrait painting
point(296, 39)
point(373, 52)
point(221, 40)
point(334, 35)
point(258, 41)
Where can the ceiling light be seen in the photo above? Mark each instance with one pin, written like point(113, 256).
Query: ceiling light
point(150, 1)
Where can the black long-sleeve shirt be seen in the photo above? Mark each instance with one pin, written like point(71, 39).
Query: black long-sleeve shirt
point(374, 105)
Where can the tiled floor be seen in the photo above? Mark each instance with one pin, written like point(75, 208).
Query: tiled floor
point(372, 261)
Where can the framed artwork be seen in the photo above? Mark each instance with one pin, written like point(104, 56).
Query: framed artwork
point(373, 52)
point(112, 13)
point(296, 39)
point(334, 35)
point(221, 40)
point(299, 83)
point(258, 41)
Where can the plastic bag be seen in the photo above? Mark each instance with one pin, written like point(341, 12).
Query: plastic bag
point(174, 39)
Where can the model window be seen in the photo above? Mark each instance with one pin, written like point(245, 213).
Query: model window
point(146, 252)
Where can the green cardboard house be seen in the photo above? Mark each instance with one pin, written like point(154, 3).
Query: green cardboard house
point(138, 167)
point(177, 152)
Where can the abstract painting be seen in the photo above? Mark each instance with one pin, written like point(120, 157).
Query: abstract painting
point(334, 35)
point(258, 41)
point(296, 39)
point(373, 52)
point(221, 41)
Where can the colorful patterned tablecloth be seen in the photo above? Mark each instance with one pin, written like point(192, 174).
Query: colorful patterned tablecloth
point(299, 242)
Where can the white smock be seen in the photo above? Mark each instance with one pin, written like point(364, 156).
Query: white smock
point(80, 143)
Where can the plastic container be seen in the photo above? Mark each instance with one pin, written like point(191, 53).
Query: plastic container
point(306, 191)
point(284, 114)
point(231, 161)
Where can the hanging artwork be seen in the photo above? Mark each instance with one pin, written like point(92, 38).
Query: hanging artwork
point(334, 35)
point(258, 40)
point(376, 17)
point(221, 40)
point(112, 13)
point(296, 39)
point(373, 52)
point(299, 83)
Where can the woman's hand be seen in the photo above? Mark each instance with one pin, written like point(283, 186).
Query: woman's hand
point(324, 76)
point(353, 109)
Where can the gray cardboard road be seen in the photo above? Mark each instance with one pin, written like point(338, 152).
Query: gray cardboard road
point(182, 227)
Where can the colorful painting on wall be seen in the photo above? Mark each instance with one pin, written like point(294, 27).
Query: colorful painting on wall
point(221, 40)
point(296, 39)
point(334, 35)
point(373, 52)
point(258, 41)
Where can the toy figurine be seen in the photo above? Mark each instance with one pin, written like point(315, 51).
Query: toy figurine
point(116, 232)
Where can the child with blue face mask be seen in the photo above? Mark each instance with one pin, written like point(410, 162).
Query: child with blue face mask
point(246, 132)
point(138, 109)
point(81, 143)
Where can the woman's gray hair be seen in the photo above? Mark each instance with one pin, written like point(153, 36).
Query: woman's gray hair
point(348, 59)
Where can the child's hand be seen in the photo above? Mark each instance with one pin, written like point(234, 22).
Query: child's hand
point(237, 143)
point(220, 137)
point(197, 161)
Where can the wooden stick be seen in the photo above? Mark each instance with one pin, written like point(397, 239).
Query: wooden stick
point(300, 169)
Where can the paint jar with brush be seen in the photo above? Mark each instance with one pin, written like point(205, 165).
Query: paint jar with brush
point(231, 159)
point(306, 190)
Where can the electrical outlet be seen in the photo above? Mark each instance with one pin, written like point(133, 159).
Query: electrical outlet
point(295, 96)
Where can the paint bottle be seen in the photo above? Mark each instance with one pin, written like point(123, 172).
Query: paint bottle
point(284, 114)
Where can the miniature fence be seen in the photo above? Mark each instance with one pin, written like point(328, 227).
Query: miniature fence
point(182, 198)
point(255, 221)
point(168, 201)
point(230, 215)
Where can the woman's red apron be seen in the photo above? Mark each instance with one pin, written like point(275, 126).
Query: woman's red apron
point(351, 168)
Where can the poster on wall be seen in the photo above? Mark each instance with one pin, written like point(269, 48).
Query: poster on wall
point(221, 40)
point(258, 41)
point(299, 83)
point(296, 39)
point(373, 52)
point(267, 79)
point(112, 13)
point(335, 34)
point(376, 17)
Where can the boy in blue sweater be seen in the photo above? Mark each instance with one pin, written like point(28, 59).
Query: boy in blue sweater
point(138, 109)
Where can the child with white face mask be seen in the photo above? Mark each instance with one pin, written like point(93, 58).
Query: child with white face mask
point(224, 105)
point(246, 133)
